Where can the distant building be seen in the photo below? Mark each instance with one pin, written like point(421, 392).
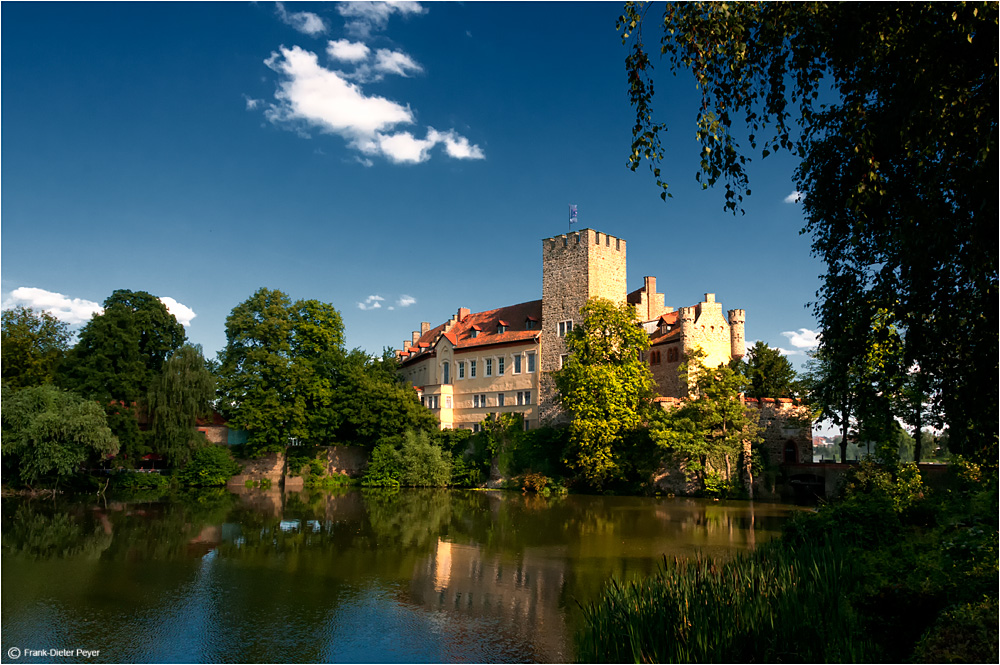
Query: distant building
point(501, 360)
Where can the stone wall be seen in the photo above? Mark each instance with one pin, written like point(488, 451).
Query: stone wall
point(787, 430)
point(271, 467)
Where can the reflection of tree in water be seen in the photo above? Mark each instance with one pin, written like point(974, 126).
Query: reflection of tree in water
point(40, 531)
point(411, 519)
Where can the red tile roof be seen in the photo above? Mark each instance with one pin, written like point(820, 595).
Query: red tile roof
point(486, 322)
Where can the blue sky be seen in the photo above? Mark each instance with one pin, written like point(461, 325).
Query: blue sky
point(407, 156)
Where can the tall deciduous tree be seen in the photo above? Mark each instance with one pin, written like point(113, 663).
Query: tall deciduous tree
point(119, 355)
point(712, 427)
point(898, 150)
point(606, 387)
point(33, 346)
point(181, 393)
point(49, 434)
point(275, 370)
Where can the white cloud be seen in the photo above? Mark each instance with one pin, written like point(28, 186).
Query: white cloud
point(404, 148)
point(252, 104)
point(788, 352)
point(365, 17)
point(324, 99)
point(395, 62)
point(794, 197)
point(371, 302)
point(305, 22)
point(801, 339)
point(406, 301)
point(459, 147)
point(71, 310)
point(347, 51)
point(312, 96)
point(181, 312)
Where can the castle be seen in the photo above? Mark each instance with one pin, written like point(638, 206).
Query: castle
point(501, 360)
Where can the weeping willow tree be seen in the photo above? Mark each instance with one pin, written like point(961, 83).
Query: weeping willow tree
point(180, 394)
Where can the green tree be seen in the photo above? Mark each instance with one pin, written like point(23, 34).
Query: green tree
point(119, 355)
point(767, 373)
point(606, 387)
point(897, 149)
point(274, 374)
point(713, 427)
point(369, 403)
point(49, 434)
point(33, 345)
point(181, 394)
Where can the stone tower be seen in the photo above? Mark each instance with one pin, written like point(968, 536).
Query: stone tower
point(575, 267)
point(737, 321)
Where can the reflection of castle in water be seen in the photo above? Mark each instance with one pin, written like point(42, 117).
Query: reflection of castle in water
point(522, 595)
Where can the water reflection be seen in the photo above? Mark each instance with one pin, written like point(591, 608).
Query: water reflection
point(349, 576)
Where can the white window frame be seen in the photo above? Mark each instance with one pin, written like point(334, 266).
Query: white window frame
point(489, 367)
point(565, 327)
point(532, 364)
point(517, 364)
point(461, 369)
point(500, 399)
point(501, 365)
point(447, 402)
point(472, 369)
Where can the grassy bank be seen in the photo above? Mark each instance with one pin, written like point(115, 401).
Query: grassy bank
point(892, 571)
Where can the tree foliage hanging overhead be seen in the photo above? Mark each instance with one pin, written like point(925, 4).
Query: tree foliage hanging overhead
point(891, 109)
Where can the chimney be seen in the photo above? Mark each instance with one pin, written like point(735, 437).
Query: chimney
point(425, 326)
point(414, 336)
point(650, 286)
point(463, 312)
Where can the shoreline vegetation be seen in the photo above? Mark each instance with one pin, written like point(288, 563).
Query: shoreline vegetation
point(892, 571)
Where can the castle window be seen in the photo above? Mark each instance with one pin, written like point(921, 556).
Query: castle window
point(565, 327)
point(523, 397)
point(489, 367)
point(446, 372)
point(562, 360)
point(472, 369)
point(517, 364)
point(501, 327)
point(654, 357)
point(447, 401)
point(461, 370)
point(501, 361)
point(531, 362)
point(500, 398)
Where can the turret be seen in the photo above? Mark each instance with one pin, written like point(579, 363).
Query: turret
point(737, 319)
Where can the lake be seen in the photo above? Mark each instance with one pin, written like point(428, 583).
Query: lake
point(348, 576)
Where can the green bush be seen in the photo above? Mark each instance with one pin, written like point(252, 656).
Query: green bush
point(411, 460)
point(211, 466)
point(134, 482)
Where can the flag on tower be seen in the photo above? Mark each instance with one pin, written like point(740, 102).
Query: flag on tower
point(572, 215)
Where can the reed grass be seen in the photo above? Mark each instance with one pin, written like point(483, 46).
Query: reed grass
point(769, 605)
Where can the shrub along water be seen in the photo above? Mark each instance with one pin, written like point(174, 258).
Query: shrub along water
point(889, 572)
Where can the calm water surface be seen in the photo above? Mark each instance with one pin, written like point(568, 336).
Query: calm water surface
point(411, 576)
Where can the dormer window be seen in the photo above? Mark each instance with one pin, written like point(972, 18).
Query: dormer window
point(501, 327)
point(474, 331)
point(530, 323)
